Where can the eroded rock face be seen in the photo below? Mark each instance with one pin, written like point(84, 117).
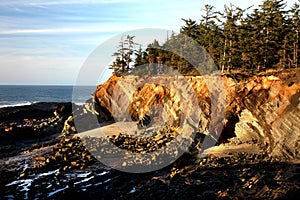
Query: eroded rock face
point(105, 91)
point(173, 101)
point(270, 116)
point(248, 129)
point(263, 110)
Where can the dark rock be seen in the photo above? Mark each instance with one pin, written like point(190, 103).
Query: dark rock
point(33, 121)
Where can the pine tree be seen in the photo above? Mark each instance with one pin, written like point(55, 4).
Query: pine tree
point(272, 20)
point(210, 35)
point(246, 44)
point(190, 28)
point(268, 37)
point(231, 53)
point(295, 39)
point(124, 54)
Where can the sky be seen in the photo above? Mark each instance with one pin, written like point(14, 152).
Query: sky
point(46, 42)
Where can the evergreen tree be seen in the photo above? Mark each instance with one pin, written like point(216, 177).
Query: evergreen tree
point(268, 37)
point(272, 19)
point(231, 52)
point(209, 32)
point(295, 39)
point(190, 28)
point(123, 56)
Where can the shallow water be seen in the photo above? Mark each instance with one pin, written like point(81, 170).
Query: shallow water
point(53, 183)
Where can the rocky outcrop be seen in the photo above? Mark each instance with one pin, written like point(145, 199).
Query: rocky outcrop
point(260, 122)
point(270, 115)
point(105, 92)
point(171, 101)
point(33, 121)
point(263, 109)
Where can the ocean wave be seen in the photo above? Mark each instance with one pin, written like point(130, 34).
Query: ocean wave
point(6, 105)
point(17, 104)
point(79, 103)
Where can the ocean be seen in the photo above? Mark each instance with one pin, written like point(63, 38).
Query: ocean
point(17, 95)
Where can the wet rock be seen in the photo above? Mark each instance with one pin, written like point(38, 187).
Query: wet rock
point(33, 121)
point(69, 127)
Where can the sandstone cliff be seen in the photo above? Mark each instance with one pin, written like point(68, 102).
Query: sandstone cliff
point(262, 110)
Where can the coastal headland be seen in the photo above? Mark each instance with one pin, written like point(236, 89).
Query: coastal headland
point(256, 153)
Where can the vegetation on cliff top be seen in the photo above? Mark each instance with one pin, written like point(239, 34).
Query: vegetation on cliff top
point(236, 39)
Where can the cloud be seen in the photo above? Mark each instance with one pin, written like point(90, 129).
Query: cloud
point(39, 69)
point(72, 2)
point(41, 40)
point(82, 29)
point(63, 2)
point(76, 30)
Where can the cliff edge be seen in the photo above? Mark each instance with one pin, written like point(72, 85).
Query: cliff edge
point(262, 110)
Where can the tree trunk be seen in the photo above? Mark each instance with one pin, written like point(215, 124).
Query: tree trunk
point(224, 57)
point(230, 56)
point(296, 49)
point(284, 53)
